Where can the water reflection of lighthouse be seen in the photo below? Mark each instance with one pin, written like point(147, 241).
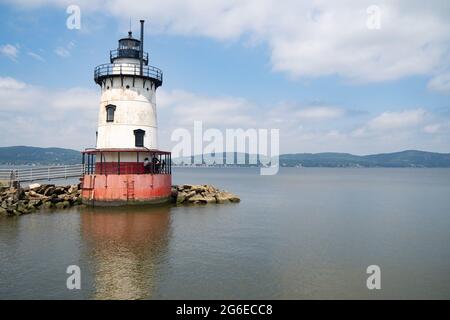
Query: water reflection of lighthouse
point(126, 167)
point(124, 248)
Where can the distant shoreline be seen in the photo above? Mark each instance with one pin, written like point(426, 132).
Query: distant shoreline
point(32, 156)
point(12, 167)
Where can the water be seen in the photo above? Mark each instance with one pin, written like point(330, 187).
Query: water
point(303, 234)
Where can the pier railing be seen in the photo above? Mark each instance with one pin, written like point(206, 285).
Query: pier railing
point(42, 173)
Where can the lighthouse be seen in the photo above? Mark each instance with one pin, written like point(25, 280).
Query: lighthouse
point(126, 166)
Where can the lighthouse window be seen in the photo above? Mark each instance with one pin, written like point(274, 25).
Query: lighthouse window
point(110, 109)
point(139, 137)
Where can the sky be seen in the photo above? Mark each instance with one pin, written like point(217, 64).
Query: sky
point(352, 76)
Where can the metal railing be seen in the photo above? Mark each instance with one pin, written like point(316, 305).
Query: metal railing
point(147, 162)
point(42, 173)
point(110, 69)
point(127, 53)
point(113, 168)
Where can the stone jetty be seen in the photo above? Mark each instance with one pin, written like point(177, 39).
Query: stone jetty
point(17, 201)
point(201, 194)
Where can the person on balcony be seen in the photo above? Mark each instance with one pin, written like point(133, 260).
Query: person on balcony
point(155, 164)
point(146, 166)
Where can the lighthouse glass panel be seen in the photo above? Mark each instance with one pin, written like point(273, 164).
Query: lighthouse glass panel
point(110, 109)
point(139, 137)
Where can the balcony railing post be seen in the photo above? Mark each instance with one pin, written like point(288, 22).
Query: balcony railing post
point(118, 163)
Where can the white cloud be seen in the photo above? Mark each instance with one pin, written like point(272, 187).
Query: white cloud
point(306, 38)
point(65, 52)
point(297, 115)
point(7, 83)
point(318, 113)
point(397, 120)
point(402, 130)
point(432, 128)
point(31, 115)
point(304, 128)
point(36, 56)
point(179, 109)
point(440, 83)
point(62, 52)
point(10, 51)
point(186, 107)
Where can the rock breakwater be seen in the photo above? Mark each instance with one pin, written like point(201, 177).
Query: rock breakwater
point(18, 201)
point(201, 194)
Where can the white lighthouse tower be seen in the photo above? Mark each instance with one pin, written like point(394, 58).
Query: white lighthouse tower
point(126, 165)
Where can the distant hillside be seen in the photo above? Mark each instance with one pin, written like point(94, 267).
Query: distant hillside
point(410, 158)
point(40, 156)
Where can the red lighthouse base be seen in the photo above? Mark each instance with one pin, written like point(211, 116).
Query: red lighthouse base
point(126, 189)
point(126, 183)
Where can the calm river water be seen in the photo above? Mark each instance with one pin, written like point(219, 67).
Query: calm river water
point(302, 234)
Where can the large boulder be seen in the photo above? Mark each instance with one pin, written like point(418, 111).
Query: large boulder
point(48, 205)
point(198, 189)
point(77, 201)
point(62, 205)
point(4, 184)
point(211, 189)
point(59, 190)
point(49, 191)
point(15, 194)
point(31, 208)
point(34, 186)
point(181, 196)
point(34, 195)
point(210, 199)
point(190, 194)
point(197, 199)
point(22, 207)
point(73, 189)
point(35, 203)
point(223, 197)
point(55, 199)
point(43, 188)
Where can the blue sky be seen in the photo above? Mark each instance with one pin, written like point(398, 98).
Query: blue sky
point(315, 71)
